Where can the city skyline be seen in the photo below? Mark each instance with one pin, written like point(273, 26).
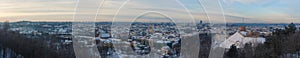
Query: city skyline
point(235, 11)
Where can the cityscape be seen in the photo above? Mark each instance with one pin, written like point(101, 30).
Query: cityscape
point(138, 29)
point(163, 39)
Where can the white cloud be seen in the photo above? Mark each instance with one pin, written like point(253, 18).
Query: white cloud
point(62, 10)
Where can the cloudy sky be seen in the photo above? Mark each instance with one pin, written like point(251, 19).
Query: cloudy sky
point(252, 11)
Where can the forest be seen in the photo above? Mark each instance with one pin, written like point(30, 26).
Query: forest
point(31, 48)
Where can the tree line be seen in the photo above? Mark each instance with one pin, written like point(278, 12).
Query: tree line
point(281, 42)
point(30, 48)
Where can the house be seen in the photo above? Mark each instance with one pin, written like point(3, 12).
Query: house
point(242, 37)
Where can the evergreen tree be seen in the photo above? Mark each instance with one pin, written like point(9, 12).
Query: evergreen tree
point(233, 52)
point(248, 51)
point(6, 25)
point(291, 28)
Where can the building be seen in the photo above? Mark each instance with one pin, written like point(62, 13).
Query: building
point(242, 37)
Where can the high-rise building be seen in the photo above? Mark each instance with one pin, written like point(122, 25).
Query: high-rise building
point(200, 22)
point(6, 25)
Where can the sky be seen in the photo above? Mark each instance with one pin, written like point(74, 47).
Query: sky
point(235, 11)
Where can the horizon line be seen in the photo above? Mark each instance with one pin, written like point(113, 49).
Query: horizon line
point(152, 22)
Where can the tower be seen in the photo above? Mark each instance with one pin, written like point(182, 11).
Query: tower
point(243, 20)
point(292, 19)
point(6, 25)
point(200, 22)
